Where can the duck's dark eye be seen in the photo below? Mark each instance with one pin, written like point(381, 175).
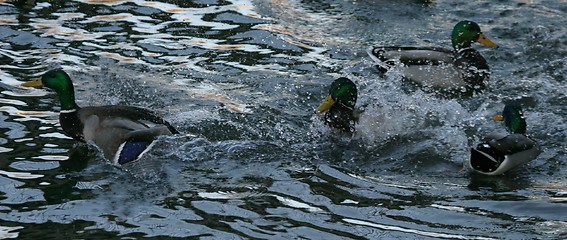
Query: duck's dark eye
point(51, 75)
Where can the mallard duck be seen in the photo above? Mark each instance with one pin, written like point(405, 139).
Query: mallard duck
point(338, 106)
point(462, 68)
point(500, 151)
point(122, 133)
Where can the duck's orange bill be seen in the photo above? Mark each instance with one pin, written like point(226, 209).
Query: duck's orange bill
point(325, 105)
point(485, 41)
point(33, 83)
point(498, 118)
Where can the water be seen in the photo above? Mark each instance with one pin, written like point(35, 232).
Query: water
point(241, 80)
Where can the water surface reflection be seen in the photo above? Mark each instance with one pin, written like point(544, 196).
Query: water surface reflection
point(241, 79)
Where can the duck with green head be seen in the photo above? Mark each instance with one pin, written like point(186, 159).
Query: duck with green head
point(500, 151)
point(338, 106)
point(122, 133)
point(462, 68)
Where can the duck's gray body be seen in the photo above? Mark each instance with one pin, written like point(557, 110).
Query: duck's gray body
point(435, 67)
point(111, 128)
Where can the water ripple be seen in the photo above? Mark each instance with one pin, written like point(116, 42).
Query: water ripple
point(241, 79)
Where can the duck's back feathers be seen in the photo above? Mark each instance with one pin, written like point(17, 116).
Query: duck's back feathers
point(387, 57)
point(122, 116)
point(509, 143)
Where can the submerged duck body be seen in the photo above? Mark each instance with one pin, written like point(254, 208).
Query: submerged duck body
point(122, 133)
point(500, 152)
point(460, 68)
point(339, 104)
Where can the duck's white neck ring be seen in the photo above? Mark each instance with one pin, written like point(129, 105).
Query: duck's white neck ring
point(346, 106)
point(464, 49)
point(68, 111)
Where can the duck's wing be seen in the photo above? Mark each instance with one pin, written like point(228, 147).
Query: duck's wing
point(123, 133)
point(137, 143)
point(127, 117)
point(387, 56)
point(510, 144)
point(428, 66)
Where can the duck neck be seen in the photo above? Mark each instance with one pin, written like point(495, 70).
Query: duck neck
point(461, 46)
point(345, 106)
point(67, 100)
point(460, 50)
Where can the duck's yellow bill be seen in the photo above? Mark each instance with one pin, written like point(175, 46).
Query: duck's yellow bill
point(498, 118)
point(325, 105)
point(485, 41)
point(33, 83)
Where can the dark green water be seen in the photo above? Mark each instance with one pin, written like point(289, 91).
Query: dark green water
point(241, 80)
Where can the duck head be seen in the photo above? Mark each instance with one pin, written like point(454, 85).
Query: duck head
point(338, 106)
point(343, 92)
point(467, 32)
point(513, 118)
point(58, 81)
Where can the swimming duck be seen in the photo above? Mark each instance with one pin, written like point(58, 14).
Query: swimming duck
point(122, 133)
point(462, 68)
point(500, 151)
point(338, 106)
